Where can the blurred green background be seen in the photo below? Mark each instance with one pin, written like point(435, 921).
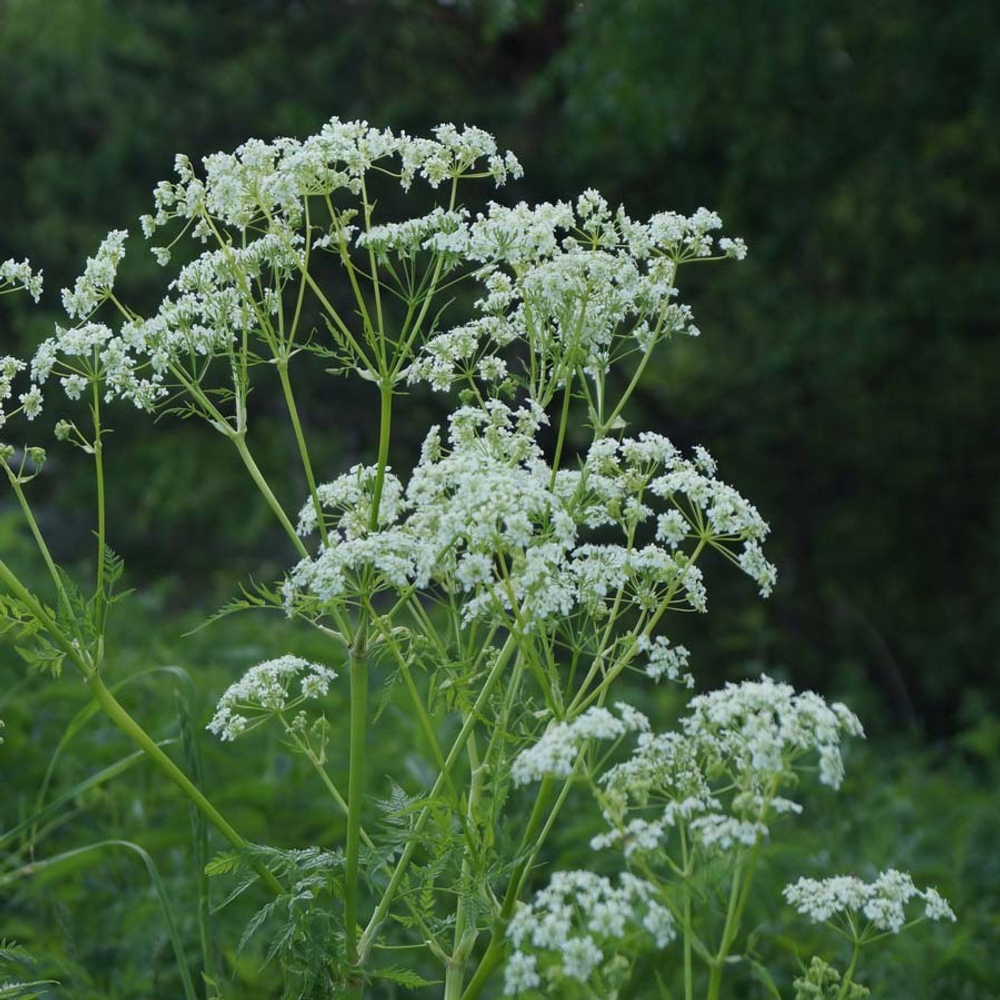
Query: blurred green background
point(847, 378)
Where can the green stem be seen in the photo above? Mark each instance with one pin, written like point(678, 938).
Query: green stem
point(563, 421)
point(607, 423)
point(356, 789)
point(113, 709)
point(385, 429)
point(583, 700)
point(37, 534)
point(411, 688)
point(117, 714)
point(412, 334)
point(465, 937)
point(848, 979)
point(688, 963)
point(494, 950)
point(300, 440)
point(339, 323)
point(382, 910)
point(373, 266)
point(688, 928)
point(99, 474)
point(738, 896)
point(718, 960)
point(239, 440)
point(366, 839)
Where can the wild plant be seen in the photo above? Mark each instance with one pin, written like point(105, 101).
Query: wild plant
point(505, 585)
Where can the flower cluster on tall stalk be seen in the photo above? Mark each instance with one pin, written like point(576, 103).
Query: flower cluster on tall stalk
point(505, 583)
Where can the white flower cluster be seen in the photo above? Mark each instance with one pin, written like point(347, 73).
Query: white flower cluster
point(556, 752)
point(883, 901)
point(665, 660)
point(719, 775)
point(20, 275)
point(265, 690)
point(579, 285)
point(577, 924)
point(98, 278)
point(350, 497)
point(265, 180)
point(616, 473)
point(487, 520)
point(91, 352)
point(406, 239)
point(762, 727)
point(487, 497)
point(9, 369)
point(218, 297)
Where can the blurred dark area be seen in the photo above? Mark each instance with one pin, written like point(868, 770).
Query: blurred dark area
point(848, 374)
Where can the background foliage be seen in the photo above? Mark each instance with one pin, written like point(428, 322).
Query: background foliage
point(846, 380)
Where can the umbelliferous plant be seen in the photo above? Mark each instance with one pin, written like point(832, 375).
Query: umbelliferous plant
point(504, 584)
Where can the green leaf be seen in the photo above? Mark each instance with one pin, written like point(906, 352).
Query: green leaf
point(224, 864)
point(114, 567)
point(405, 977)
point(256, 595)
point(15, 615)
point(43, 657)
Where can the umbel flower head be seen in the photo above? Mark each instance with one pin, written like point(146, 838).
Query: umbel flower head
point(577, 926)
point(15, 275)
point(720, 772)
point(883, 903)
point(266, 690)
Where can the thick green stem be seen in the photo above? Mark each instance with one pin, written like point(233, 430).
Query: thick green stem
point(688, 928)
point(385, 430)
point(99, 475)
point(688, 963)
point(355, 794)
point(465, 936)
point(117, 714)
point(359, 725)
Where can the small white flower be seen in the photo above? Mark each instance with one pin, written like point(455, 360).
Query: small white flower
point(520, 973)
